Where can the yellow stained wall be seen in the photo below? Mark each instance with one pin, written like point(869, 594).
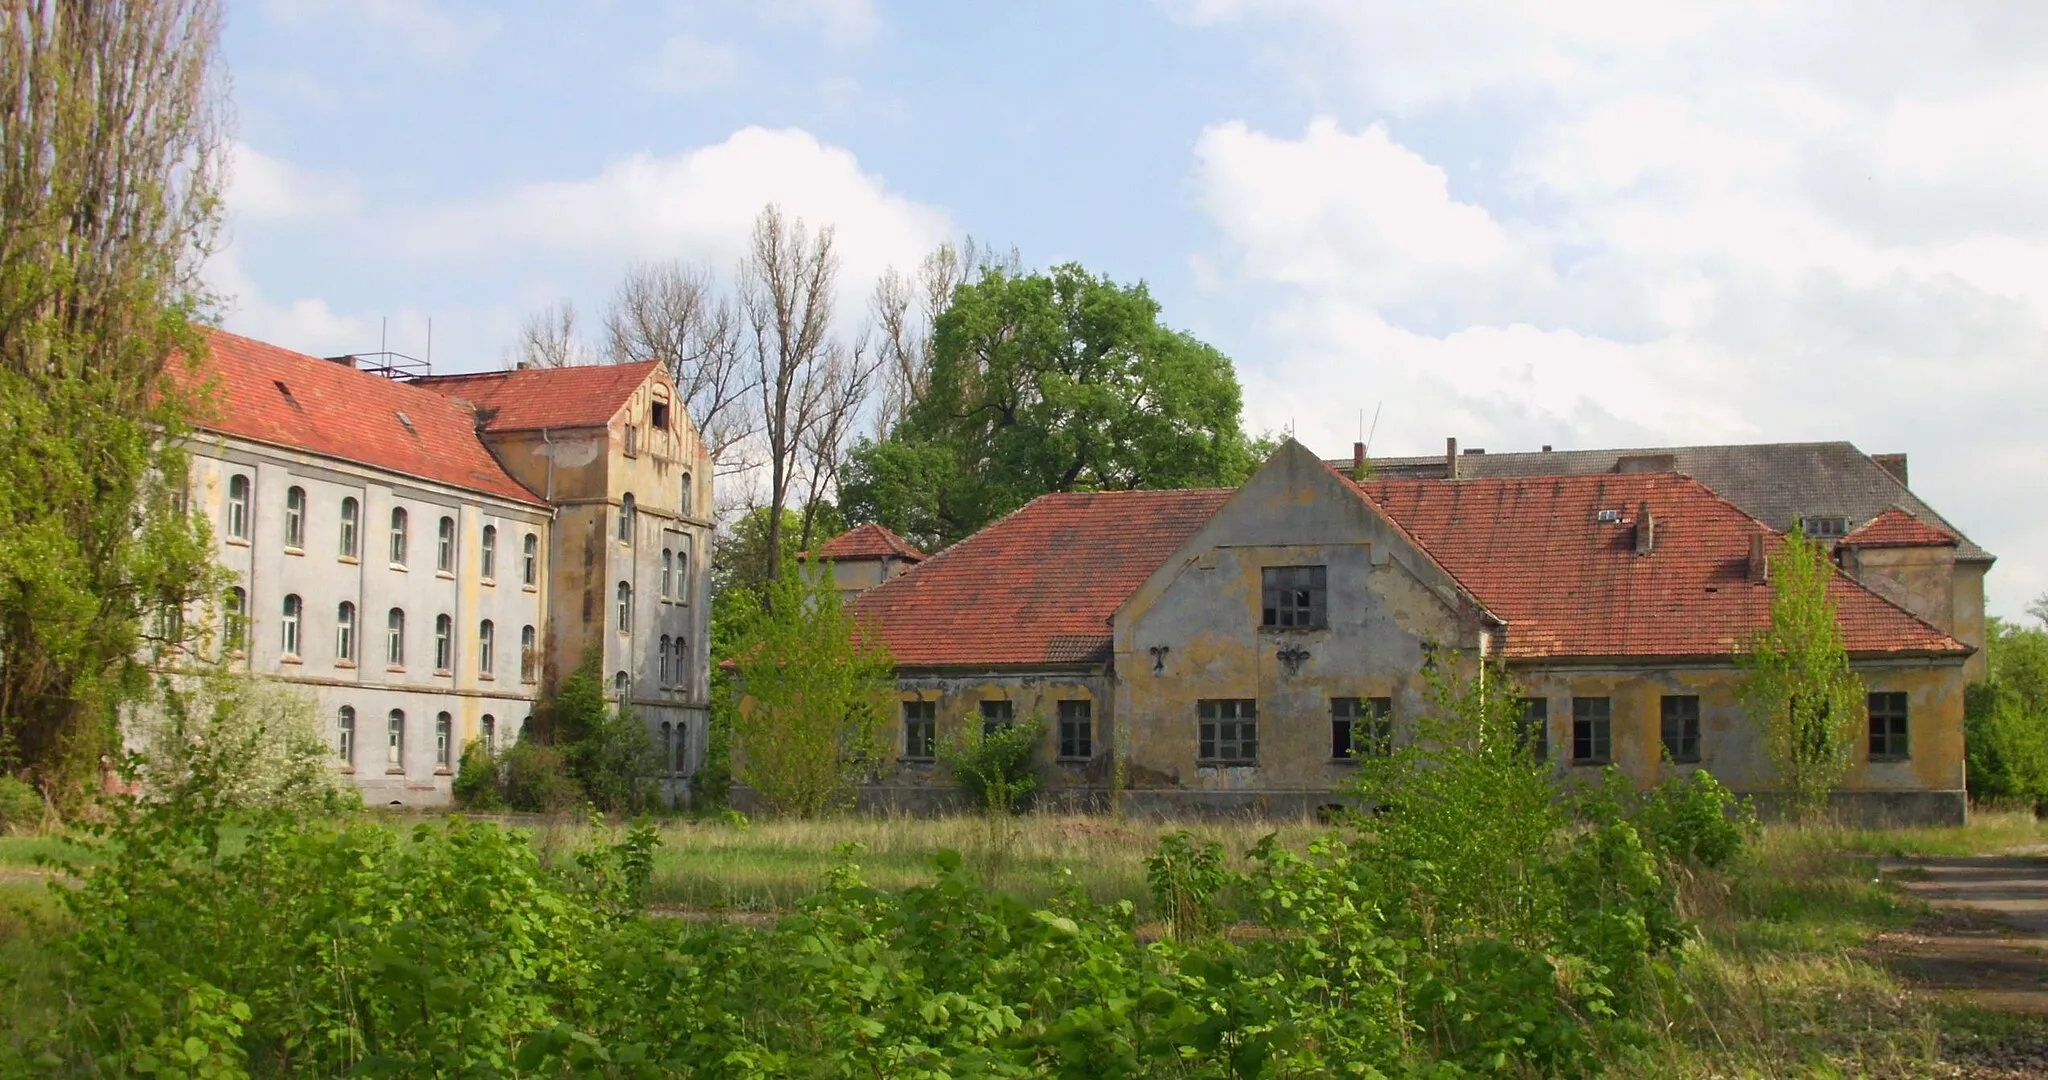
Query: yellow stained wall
point(958, 713)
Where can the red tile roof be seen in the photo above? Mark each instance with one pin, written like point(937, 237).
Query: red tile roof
point(1037, 587)
point(1896, 528)
point(272, 395)
point(869, 541)
point(535, 398)
point(1534, 552)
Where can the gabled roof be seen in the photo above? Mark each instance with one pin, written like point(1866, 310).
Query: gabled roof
point(533, 398)
point(1037, 587)
point(1896, 528)
point(1569, 586)
point(1776, 483)
point(272, 395)
point(869, 541)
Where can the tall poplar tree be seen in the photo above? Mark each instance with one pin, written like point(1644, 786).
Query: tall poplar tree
point(1797, 686)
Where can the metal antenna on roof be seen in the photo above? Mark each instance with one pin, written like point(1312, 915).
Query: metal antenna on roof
point(430, 343)
point(1375, 426)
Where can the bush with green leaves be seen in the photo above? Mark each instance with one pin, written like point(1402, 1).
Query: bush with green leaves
point(1689, 819)
point(270, 731)
point(994, 765)
point(476, 779)
point(2005, 727)
point(21, 807)
point(537, 780)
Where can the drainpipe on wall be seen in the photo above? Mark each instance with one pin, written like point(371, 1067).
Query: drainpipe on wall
point(546, 439)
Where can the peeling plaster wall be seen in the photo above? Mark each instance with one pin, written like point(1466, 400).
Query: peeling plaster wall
point(958, 699)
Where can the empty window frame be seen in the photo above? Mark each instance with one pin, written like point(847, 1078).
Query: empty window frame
point(657, 416)
point(1592, 731)
point(238, 507)
point(1532, 731)
point(680, 764)
point(235, 619)
point(444, 741)
point(920, 730)
point(394, 741)
point(661, 650)
point(1077, 730)
point(996, 714)
point(625, 595)
point(398, 535)
point(1227, 731)
point(487, 649)
point(1679, 716)
point(688, 493)
point(1294, 597)
point(622, 684)
point(1823, 526)
point(626, 518)
point(288, 626)
point(345, 734)
point(1361, 726)
point(1890, 738)
point(295, 518)
point(487, 554)
point(444, 643)
point(487, 733)
point(529, 572)
point(444, 548)
point(351, 522)
point(668, 567)
point(632, 440)
point(394, 638)
point(529, 654)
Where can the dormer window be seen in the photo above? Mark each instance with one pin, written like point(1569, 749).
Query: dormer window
point(1823, 527)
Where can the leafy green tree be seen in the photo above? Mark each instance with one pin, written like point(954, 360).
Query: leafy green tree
point(110, 121)
point(1060, 381)
point(606, 748)
point(1797, 687)
point(2006, 721)
point(813, 695)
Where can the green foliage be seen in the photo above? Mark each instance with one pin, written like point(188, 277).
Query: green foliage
point(1797, 687)
point(537, 780)
point(1689, 819)
point(476, 779)
point(1187, 877)
point(994, 766)
point(21, 807)
point(616, 762)
point(2006, 717)
point(584, 749)
point(1048, 382)
point(267, 735)
point(814, 695)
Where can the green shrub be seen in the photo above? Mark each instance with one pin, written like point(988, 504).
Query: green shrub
point(993, 767)
point(21, 807)
point(615, 762)
point(537, 779)
point(1187, 878)
point(476, 779)
point(1690, 819)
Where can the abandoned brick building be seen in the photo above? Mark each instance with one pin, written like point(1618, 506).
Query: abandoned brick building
point(1234, 649)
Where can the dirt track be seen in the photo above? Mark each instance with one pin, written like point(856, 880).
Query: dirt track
point(1988, 940)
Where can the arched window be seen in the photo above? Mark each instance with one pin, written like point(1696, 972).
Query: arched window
point(444, 643)
point(530, 573)
point(289, 625)
point(621, 684)
point(238, 507)
point(351, 514)
point(345, 631)
point(681, 674)
point(394, 640)
point(235, 619)
point(626, 519)
point(668, 566)
point(663, 681)
point(625, 608)
point(683, 576)
point(398, 535)
point(487, 562)
point(444, 551)
point(295, 517)
point(486, 648)
point(688, 492)
point(529, 654)
point(487, 732)
point(444, 740)
point(668, 743)
point(394, 741)
point(681, 764)
point(345, 734)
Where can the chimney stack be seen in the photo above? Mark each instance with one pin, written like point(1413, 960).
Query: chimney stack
point(1759, 563)
point(1451, 457)
point(1357, 458)
point(1894, 464)
point(1646, 529)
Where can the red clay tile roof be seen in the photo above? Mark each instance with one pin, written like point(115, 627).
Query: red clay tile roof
point(1896, 528)
point(1037, 587)
point(869, 541)
point(272, 395)
point(535, 398)
point(1534, 552)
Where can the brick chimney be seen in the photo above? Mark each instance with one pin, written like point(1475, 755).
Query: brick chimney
point(1759, 562)
point(1646, 529)
point(1894, 464)
point(1357, 458)
point(1451, 457)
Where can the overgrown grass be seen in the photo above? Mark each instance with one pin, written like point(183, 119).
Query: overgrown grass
point(30, 993)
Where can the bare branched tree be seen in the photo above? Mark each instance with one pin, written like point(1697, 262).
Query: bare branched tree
point(904, 309)
point(786, 285)
point(848, 377)
point(674, 312)
point(548, 339)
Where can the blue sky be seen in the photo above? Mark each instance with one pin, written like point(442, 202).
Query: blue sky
point(1590, 224)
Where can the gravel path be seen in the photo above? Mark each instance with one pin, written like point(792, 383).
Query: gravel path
point(1988, 939)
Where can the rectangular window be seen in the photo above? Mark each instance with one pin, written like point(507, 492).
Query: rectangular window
point(1681, 724)
point(1227, 731)
point(1592, 731)
point(632, 440)
point(920, 730)
point(995, 714)
point(1361, 726)
point(1077, 730)
point(1293, 597)
point(1888, 733)
point(657, 416)
point(1533, 732)
point(1823, 527)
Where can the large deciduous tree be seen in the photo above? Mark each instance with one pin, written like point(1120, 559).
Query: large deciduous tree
point(1797, 686)
point(111, 120)
point(1048, 382)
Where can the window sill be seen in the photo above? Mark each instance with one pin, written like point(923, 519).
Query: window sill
point(445, 575)
point(345, 770)
point(1234, 764)
point(529, 588)
point(349, 559)
point(235, 541)
point(1587, 762)
point(443, 673)
point(490, 581)
point(917, 761)
point(1351, 761)
point(443, 770)
point(349, 664)
point(1073, 760)
point(1889, 759)
point(289, 659)
point(397, 669)
point(388, 771)
point(1685, 761)
point(486, 676)
point(290, 550)
point(400, 567)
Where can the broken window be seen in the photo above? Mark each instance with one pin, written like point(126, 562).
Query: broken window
point(1532, 732)
point(920, 730)
point(1077, 730)
point(1888, 735)
point(1592, 731)
point(1681, 723)
point(1293, 597)
point(1361, 726)
point(1817, 526)
point(995, 714)
point(1227, 731)
point(658, 416)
